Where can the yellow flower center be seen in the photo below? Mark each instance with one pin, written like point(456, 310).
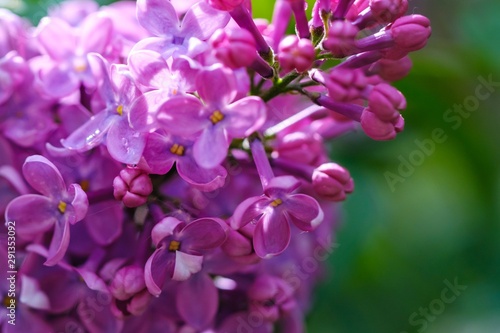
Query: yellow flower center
point(119, 109)
point(177, 149)
point(85, 184)
point(62, 206)
point(276, 202)
point(7, 301)
point(174, 246)
point(216, 117)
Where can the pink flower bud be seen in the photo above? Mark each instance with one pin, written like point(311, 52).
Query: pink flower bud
point(332, 181)
point(378, 129)
point(341, 37)
point(139, 303)
point(226, 5)
point(386, 101)
point(132, 186)
point(386, 11)
point(295, 53)
point(127, 282)
point(235, 48)
point(345, 85)
point(411, 32)
point(271, 297)
point(392, 70)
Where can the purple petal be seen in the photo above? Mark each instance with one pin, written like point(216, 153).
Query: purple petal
point(142, 114)
point(91, 133)
point(56, 38)
point(159, 267)
point(43, 176)
point(59, 243)
point(206, 180)
point(186, 265)
point(92, 280)
point(202, 235)
point(104, 222)
point(216, 95)
point(202, 20)
point(197, 301)
point(246, 116)
point(124, 143)
point(272, 235)
point(165, 228)
point(79, 201)
point(210, 149)
point(149, 69)
point(281, 185)
point(304, 211)
point(248, 211)
point(95, 34)
point(157, 153)
point(158, 17)
point(32, 295)
point(182, 115)
point(59, 82)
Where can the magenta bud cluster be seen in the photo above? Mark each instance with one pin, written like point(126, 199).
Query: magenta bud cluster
point(166, 164)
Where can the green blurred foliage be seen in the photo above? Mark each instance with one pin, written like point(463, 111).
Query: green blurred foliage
point(398, 246)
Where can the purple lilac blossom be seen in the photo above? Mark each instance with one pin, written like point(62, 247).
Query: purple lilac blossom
point(108, 99)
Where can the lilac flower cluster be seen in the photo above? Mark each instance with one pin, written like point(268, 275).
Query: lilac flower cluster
point(97, 105)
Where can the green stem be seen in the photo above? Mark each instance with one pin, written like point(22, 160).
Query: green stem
point(279, 86)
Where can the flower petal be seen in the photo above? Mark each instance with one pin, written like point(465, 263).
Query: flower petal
point(197, 301)
point(182, 115)
point(185, 265)
point(59, 243)
point(43, 176)
point(206, 180)
point(202, 235)
point(95, 34)
point(272, 235)
point(158, 17)
point(124, 143)
point(91, 133)
point(104, 222)
point(79, 201)
point(157, 153)
point(201, 21)
point(149, 68)
point(248, 211)
point(210, 149)
point(56, 38)
point(159, 267)
point(304, 211)
point(59, 82)
point(216, 95)
point(164, 228)
point(246, 116)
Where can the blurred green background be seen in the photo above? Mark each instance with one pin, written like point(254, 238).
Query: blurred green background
point(440, 222)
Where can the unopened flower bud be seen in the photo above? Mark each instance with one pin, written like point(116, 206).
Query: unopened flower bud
point(378, 129)
point(340, 40)
point(127, 282)
point(139, 303)
point(271, 297)
point(295, 53)
point(411, 32)
point(132, 186)
point(345, 85)
point(386, 102)
point(392, 70)
point(386, 11)
point(332, 181)
point(235, 48)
